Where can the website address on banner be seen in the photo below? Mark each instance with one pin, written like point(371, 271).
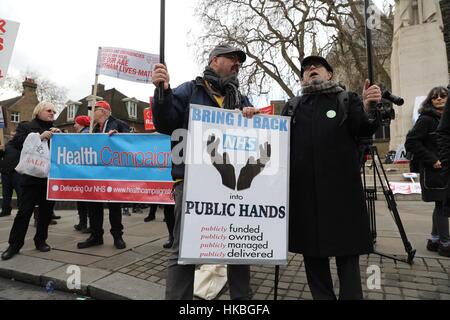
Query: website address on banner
point(137, 190)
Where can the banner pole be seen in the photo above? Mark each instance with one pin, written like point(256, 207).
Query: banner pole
point(161, 48)
point(92, 106)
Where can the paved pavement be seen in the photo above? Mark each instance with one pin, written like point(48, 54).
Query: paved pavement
point(138, 272)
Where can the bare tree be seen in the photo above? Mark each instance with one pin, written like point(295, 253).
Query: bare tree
point(46, 89)
point(278, 34)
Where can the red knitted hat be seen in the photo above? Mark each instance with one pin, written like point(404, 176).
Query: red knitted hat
point(84, 121)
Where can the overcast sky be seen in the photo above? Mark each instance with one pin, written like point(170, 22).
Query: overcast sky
point(59, 39)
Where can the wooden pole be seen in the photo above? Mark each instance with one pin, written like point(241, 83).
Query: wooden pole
point(91, 104)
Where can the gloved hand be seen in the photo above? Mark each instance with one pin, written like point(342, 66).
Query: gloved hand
point(221, 162)
point(252, 168)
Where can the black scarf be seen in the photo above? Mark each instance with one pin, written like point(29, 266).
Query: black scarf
point(227, 87)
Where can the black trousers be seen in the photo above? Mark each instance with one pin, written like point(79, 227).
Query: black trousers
point(83, 213)
point(169, 217)
point(321, 284)
point(10, 182)
point(31, 196)
point(115, 219)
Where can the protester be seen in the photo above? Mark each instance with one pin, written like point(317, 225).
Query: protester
point(219, 87)
point(430, 142)
point(105, 123)
point(328, 216)
point(169, 219)
point(34, 190)
point(81, 125)
point(10, 177)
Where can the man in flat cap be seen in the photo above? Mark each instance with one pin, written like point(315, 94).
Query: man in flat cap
point(218, 87)
point(328, 216)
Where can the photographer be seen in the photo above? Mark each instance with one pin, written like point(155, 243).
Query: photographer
point(328, 215)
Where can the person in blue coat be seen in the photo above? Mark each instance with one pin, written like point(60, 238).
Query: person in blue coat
point(218, 87)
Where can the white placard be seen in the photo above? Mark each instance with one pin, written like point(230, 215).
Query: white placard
point(126, 64)
point(236, 211)
point(8, 35)
point(405, 188)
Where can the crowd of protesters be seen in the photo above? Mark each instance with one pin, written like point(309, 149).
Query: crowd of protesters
point(328, 215)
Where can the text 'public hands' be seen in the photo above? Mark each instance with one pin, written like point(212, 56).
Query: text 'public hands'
point(253, 168)
point(221, 162)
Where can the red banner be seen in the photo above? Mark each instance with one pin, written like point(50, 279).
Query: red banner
point(148, 117)
point(267, 110)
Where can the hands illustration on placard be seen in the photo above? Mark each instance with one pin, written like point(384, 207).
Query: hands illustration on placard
point(221, 162)
point(227, 171)
point(253, 168)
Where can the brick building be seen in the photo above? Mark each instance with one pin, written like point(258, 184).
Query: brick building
point(20, 108)
point(124, 108)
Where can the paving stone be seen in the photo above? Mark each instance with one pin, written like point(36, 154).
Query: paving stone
point(60, 277)
point(27, 269)
point(409, 285)
point(433, 263)
point(392, 290)
point(410, 293)
point(444, 296)
point(122, 286)
point(423, 280)
point(393, 297)
point(429, 295)
point(264, 290)
point(375, 296)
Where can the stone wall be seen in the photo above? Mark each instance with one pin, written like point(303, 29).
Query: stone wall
point(445, 8)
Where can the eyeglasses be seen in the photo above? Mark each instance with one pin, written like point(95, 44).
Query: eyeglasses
point(442, 95)
point(316, 65)
point(51, 111)
point(233, 57)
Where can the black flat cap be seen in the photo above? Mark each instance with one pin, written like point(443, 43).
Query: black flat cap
point(311, 59)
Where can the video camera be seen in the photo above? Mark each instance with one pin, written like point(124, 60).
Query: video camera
point(386, 109)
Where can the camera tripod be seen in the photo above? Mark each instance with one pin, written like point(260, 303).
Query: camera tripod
point(371, 197)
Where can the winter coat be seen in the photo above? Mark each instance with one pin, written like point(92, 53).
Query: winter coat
point(22, 131)
point(443, 132)
point(113, 124)
point(421, 141)
point(9, 159)
point(328, 215)
point(174, 113)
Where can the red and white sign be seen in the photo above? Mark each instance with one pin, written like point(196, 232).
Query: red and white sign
point(8, 34)
point(126, 64)
point(148, 117)
point(267, 110)
point(405, 188)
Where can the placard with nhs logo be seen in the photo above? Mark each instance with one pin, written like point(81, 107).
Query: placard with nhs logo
point(235, 205)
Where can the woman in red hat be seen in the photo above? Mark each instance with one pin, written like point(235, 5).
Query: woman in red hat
point(81, 125)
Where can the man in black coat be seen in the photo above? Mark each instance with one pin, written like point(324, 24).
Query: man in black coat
point(105, 123)
point(328, 216)
point(10, 177)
